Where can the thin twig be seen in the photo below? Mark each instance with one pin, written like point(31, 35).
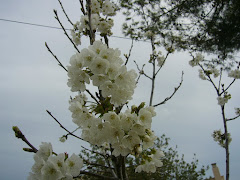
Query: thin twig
point(60, 64)
point(129, 53)
point(175, 90)
point(82, 7)
point(65, 13)
point(96, 175)
point(140, 74)
point(95, 164)
point(141, 71)
point(209, 78)
point(227, 87)
point(91, 33)
point(92, 96)
point(63, 126)
point(57, 18)
point(233, 118)
point(220, 79)
point(162, 63)
point(93, 151)
point(20, 135)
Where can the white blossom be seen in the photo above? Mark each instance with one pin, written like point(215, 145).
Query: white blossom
point(50, 171)
point(222, 100)
point(45, 150)
point(202, 75)
point(74, 164)
point(234, 74)
point(108, 8)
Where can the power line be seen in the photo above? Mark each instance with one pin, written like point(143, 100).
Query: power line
point(32, 24)
point(46, 26)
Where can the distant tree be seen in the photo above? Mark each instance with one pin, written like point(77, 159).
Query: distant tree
point(211, 26)
point(175, 167)
point(205, 26)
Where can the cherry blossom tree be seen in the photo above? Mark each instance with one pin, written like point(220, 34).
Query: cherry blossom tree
point(103, 118)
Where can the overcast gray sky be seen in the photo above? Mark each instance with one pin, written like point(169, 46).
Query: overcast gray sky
point(31, 82)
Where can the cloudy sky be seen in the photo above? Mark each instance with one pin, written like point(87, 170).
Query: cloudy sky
point(31, 82)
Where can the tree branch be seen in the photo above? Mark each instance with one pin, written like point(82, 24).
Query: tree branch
point(96, 175)
point(129, 53)
point(20, 135)
point(92, 96)
point(233, 118)
point(93, 151)
point(162, 63)
point(227, 87)
point(175, 90)
point(65, 13)
point(141, 71)
point(56, 16)
point(82, 7)
point(70, 133)
point(60, 64)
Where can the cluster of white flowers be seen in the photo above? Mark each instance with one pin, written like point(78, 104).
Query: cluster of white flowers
point(223, 100)
point(210, 71)
point(100, 21)
point(50, 166)
point(127, 132)
point(151, 161)
point(202, 75)
point(234, 74)
point(118, 133)
point(105, 68)
point(199, 57)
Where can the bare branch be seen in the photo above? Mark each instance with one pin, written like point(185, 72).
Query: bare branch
point(65, 32)
point(163, 63)
point(175, 90)
point(82, 7)
point(70, 133)
point(220, 79)
point(228, 87)
point(93, 151)
point(129, 53)
point(91, 33)
point(60, 64)
point(233, 118)
point(96, 175)
point(141, 71)
point(92, 96)
point(95, 164)
point(20, 135)
point(65, 13)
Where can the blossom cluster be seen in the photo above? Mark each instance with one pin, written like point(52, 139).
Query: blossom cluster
point(150, 161)
point(234, 74)
point(223, 100)
point(210, 71)
point(105, 68)
point(100, 21)
point(128, 133)
point(50, 166)
point(195, 61)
